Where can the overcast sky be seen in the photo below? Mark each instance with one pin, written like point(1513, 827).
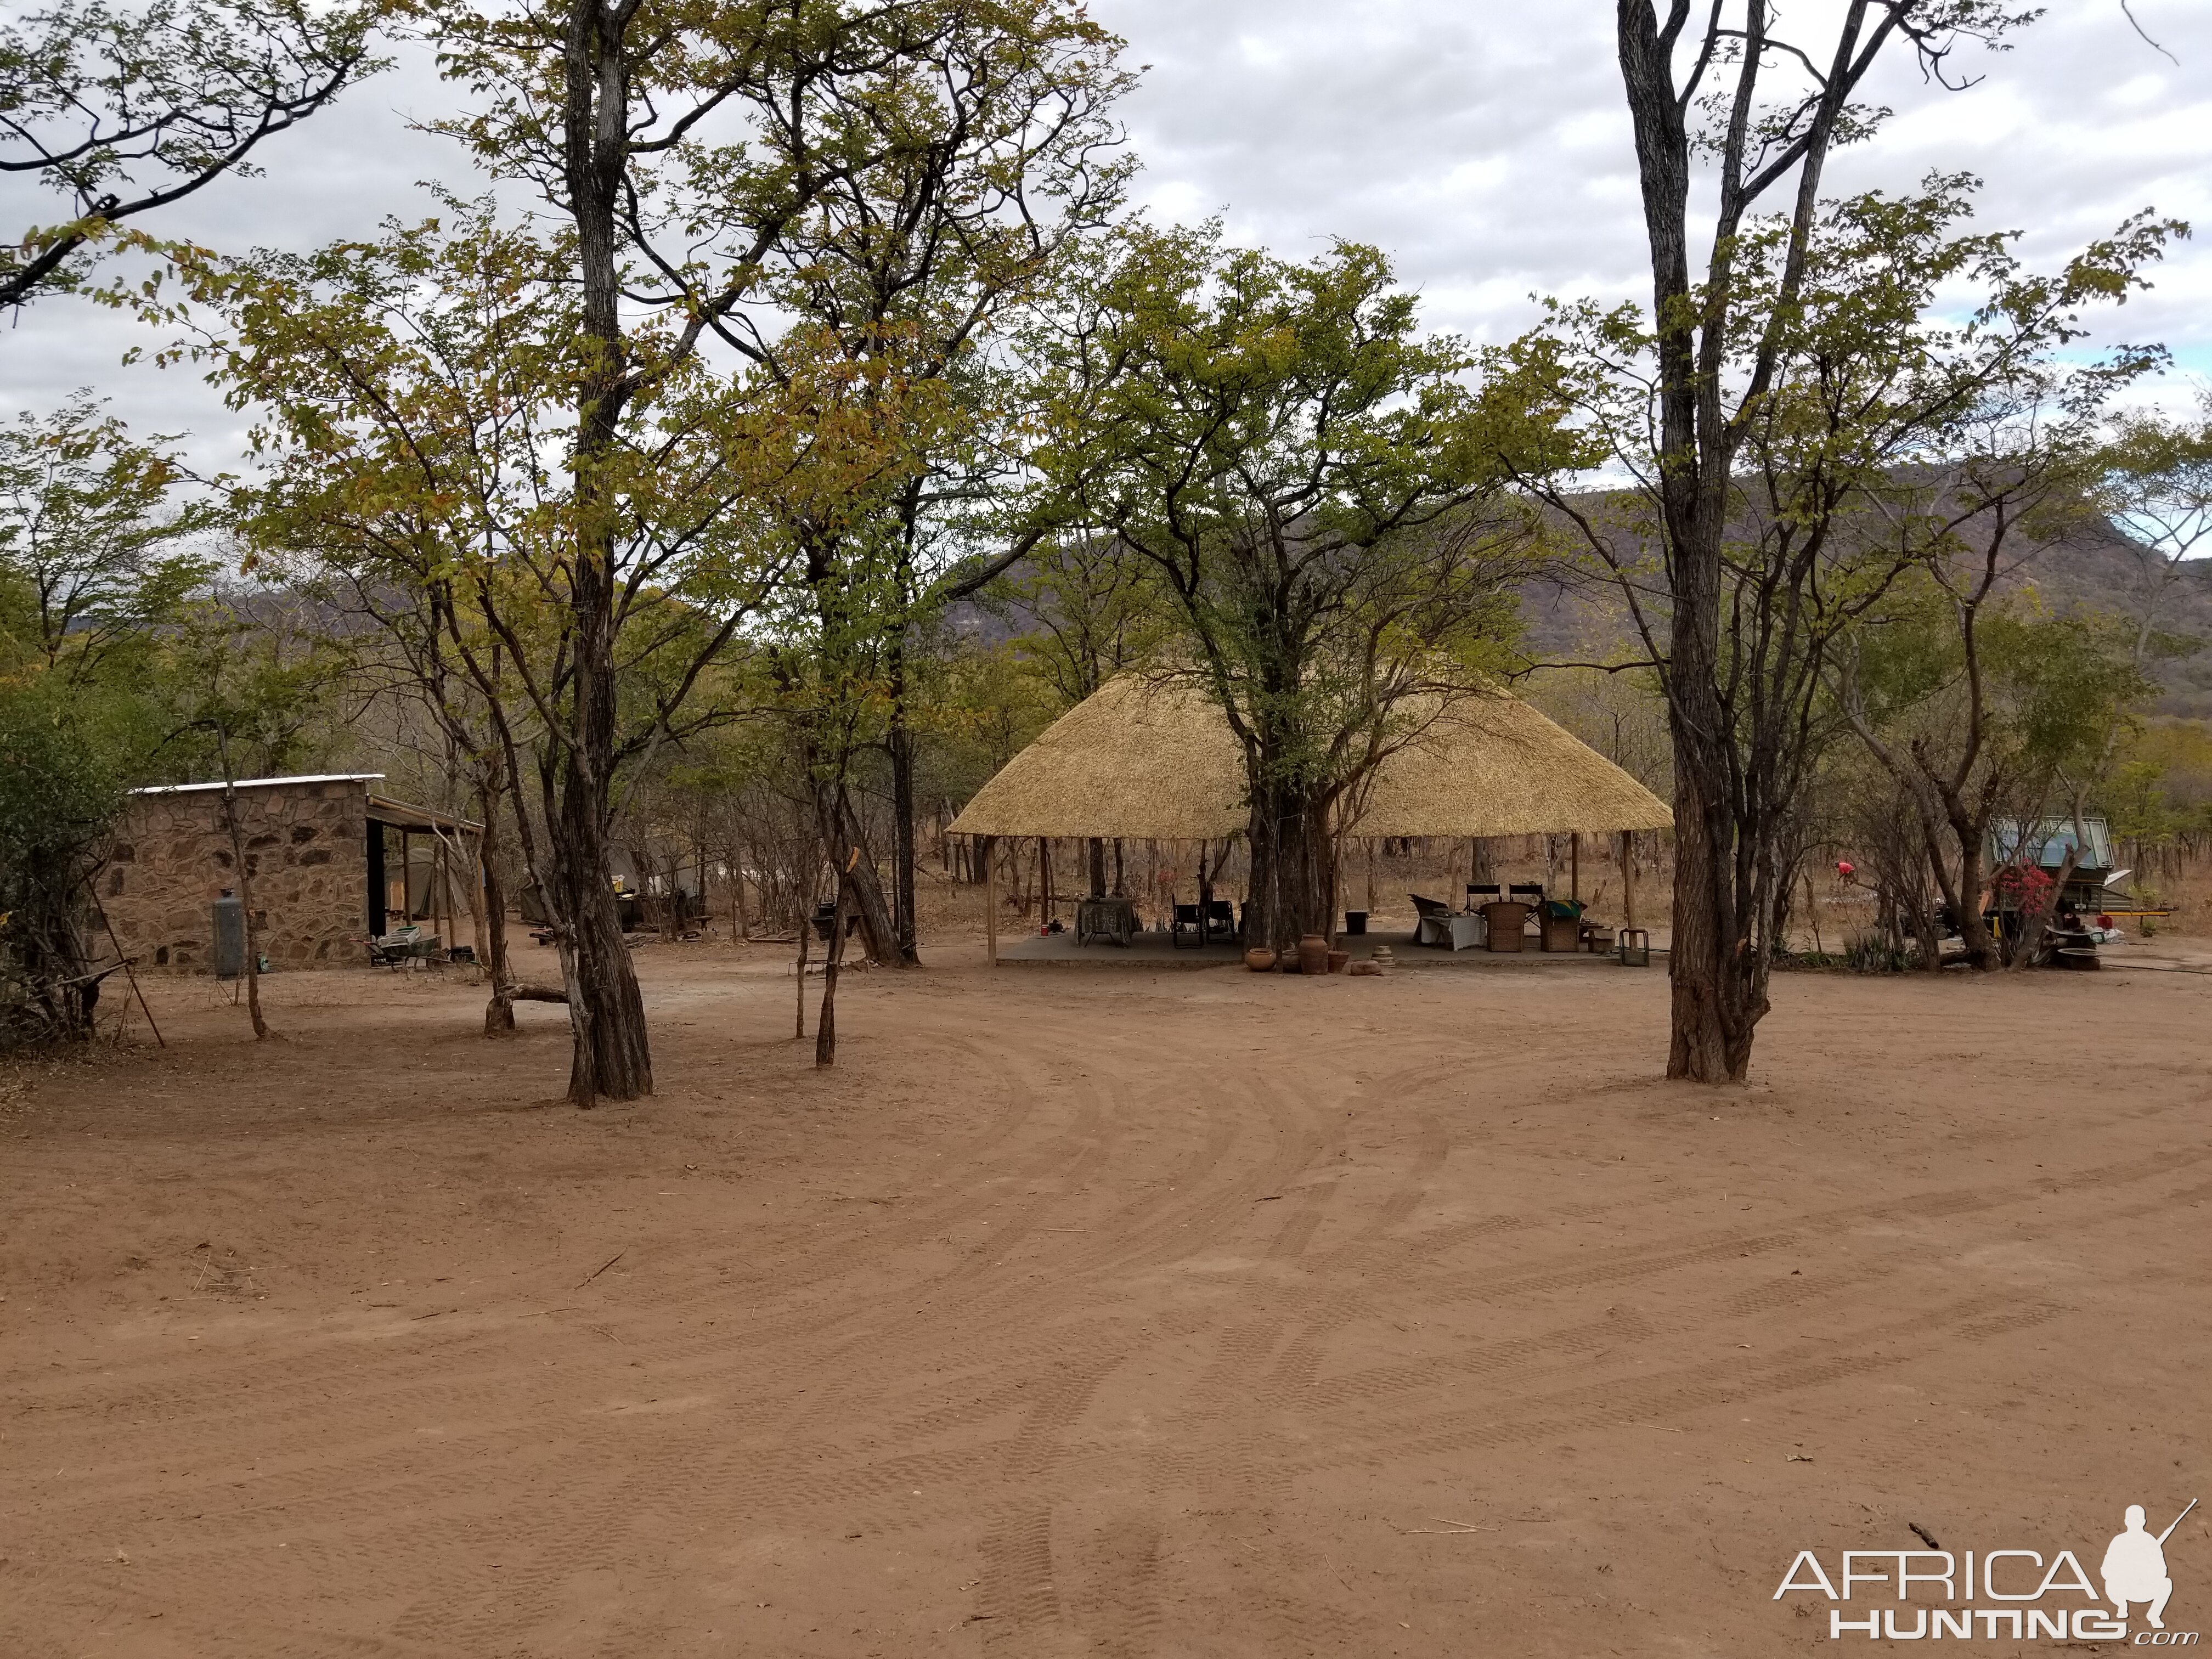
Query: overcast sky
point(1482, 144)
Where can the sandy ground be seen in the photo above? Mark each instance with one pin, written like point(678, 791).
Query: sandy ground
point(1087, 1313)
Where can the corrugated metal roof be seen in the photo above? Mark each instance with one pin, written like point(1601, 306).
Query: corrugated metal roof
point(258, 783)
point(408, 816)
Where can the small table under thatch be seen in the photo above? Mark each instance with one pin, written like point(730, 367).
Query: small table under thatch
point(1111, 919)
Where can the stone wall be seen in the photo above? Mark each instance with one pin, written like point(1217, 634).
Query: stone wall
point(306, 853)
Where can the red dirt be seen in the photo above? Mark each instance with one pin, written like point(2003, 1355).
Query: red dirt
point(1076, 1313)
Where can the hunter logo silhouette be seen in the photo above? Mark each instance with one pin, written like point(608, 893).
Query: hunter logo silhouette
point(2135, 1567)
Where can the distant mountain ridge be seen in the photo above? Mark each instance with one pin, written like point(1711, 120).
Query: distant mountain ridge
point(2095, 567)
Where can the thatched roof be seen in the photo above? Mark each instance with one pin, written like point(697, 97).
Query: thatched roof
point(1137, 758)
point(1156, 760)
point(1492, 765)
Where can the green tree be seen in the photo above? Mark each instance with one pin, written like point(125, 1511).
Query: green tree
point(91, 529)
point(1756, 404)
point(676, 149)
point(1983, 703)
point(95, 579)
point(1941, 647)
point(123, 110)
point(415, 398)
point(1321, 492)
point(2157, 487)
point(1083, 610)
point(992, 158)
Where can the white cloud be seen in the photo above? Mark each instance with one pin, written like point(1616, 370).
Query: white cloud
point(1483, 146)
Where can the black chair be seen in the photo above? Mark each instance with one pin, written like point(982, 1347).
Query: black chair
point(1220, 919)
point(1481, 893)
point(825, 918)
point(1529, 893)
point(1189, 919)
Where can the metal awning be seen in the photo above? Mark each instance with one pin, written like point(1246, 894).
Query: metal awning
point(258, 783)
point(405, 815)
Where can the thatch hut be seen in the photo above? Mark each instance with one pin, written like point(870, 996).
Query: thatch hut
point(1493, 765)
point(1147, 759)
point(1154, 759)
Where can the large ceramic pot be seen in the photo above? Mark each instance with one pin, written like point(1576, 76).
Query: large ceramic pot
point(1259, 960)
point(1313, 954)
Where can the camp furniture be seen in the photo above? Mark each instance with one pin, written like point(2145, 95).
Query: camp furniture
point(1562, 925)
point(1110, 919)
point(1504, 918)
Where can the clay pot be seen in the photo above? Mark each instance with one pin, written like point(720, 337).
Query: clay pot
point(1288, 962)
point(1364, 970)
point(1313, 954)
point(1258, 960)
point(1337, 959)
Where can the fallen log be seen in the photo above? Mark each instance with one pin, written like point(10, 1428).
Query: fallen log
point(539, 993)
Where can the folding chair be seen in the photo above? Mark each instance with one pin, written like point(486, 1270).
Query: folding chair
point(1190, 921)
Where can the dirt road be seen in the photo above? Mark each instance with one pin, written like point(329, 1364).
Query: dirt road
point(1193, 1313)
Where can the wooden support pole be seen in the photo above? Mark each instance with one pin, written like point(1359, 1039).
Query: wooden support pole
point(983, 844)
point(1575, 864)
point(1628, 877)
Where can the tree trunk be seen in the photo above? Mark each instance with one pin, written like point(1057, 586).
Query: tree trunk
point(1293, 869)
point(903, 850)
point(1974, 931)
point(857, 884)
point(499, 1012)
point(1715, 970)
point(1097, 851)
point(825, 1026)
point(611, 1060)
point(806, 932)
point(252, 963)
point(2028, 950)
point(1716, 974)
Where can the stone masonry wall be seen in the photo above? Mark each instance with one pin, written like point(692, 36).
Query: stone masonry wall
point(306, 853)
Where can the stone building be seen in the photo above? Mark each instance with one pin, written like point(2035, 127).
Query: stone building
point(329, 860)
